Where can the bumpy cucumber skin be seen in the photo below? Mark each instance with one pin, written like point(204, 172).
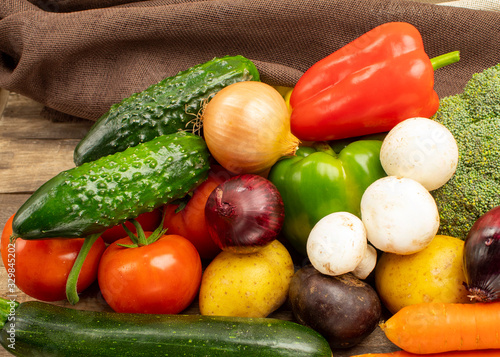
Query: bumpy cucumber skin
point(163, 108)
point(97, 195)
point(43, 329)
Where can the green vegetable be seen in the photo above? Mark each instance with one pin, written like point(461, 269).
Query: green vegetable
point(97, 195)
point(163, 108)
point(41, 329)
point(318, 181)
point(473, 117)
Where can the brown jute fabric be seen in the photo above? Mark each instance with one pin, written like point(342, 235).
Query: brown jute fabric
point(81, 56)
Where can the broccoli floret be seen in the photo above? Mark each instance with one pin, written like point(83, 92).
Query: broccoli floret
point(473, 117)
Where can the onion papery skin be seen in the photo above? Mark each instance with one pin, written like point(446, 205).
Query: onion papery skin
point(482, 258)
point(246, 126)
point(244, 213)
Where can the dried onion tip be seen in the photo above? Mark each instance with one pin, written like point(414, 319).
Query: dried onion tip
point(244, 213)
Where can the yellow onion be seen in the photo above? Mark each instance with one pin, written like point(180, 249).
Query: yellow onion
point(246, 126)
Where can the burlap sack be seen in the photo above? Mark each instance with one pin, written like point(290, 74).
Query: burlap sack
point(81, 56)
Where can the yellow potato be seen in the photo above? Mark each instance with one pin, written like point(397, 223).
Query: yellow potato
point(248, 285)
point(435, 274)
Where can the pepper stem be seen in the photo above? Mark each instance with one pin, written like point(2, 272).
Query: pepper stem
point(71, 282)
point(323, 146)
point(445, 59)
point(7, 308)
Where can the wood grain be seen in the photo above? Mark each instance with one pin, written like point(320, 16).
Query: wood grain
point(32, 150)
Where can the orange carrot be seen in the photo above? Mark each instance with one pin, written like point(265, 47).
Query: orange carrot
point(440, 327)
point(482, 353)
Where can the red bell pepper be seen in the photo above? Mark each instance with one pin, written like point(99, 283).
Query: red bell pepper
point(367, 86)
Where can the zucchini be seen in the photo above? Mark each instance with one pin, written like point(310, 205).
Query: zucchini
point(35, 328)
point(163, 108)
point(90, 198)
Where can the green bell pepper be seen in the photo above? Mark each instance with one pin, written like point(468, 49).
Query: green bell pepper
point(318, 181)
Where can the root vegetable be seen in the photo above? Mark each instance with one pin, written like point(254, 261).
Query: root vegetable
point(247, 285)
point(435, 274)
point(485, 353)
point(442, 327)
point(344, 309)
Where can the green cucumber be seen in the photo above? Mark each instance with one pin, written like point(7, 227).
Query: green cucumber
point(35, 328)
point(163, 108)
point(90, 198)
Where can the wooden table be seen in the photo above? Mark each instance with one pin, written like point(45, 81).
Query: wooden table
point(33, 149)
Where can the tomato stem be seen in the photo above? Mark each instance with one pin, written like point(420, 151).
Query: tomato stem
point(132, 237)
point(158, 232)
point(72, 281)
point(139, 239)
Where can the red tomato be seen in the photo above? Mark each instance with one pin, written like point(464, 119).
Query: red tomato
point(159, 278)
point(41, 267)
point(190, 221)
point(149, 222)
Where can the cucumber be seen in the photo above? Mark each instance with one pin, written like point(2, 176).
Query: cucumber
point(163, 108)
point(42, 329)
point(90, 198)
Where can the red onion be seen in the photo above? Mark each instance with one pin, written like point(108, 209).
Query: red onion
point(244, 213)
point(482, 258)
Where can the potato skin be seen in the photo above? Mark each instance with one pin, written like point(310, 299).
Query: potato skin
point(344, 309)
point(435, 274)
point(247, 285)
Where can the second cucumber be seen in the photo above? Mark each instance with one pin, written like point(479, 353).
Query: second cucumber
point(163, 108)
point(97, 195)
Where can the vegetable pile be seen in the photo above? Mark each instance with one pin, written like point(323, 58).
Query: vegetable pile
point(212, 188)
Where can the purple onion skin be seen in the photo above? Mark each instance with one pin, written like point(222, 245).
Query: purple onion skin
point(482, 258)
point(244, 213)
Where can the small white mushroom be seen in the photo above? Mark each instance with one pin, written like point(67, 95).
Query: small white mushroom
point(337, 243)
point(399, 214)
point(421, 149)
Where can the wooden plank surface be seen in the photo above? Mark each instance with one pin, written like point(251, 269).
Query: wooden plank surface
point(32, 150)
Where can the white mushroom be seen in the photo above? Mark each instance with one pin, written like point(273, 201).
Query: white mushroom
point(399, 214)
point(421, 149)
point(337, 243)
